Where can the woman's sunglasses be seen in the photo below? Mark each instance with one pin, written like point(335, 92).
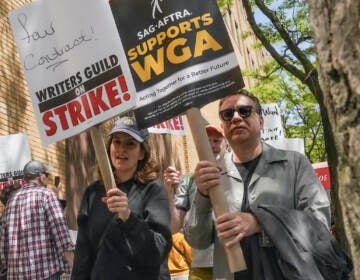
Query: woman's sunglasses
point(244, 111)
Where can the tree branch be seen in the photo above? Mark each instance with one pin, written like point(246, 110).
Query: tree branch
point(279, 59)
point(298, 53)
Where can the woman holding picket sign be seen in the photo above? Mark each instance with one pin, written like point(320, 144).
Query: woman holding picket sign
point(124, 233)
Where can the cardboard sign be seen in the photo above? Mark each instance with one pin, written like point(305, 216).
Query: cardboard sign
point(273, 129)
point(179, 54)
point(323, 173)
point(70, 53)
point(15, 153)
point(290, 144)
point(174, 126)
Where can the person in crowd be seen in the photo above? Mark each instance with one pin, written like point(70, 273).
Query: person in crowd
point(124, 233)
point(258, 174)
point(181, 192)
point(34, 240)
point(5, 195)
point(179, 260)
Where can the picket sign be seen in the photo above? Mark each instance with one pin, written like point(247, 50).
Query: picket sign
point(234, 254)
point(71, 61)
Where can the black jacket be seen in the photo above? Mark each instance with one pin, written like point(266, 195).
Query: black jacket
point(131, 250)
point(306, 248)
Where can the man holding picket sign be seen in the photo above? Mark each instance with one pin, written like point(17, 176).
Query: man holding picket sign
point(257, 175)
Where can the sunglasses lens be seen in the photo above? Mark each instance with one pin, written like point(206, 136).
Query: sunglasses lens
point(227, 114)
point(46, 174)
point(244, 111)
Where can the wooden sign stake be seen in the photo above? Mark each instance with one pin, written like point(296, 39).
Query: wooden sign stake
point(102, 157)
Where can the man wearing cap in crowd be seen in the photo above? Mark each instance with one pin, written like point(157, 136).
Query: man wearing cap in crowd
point(35, 242)
point(181, 193)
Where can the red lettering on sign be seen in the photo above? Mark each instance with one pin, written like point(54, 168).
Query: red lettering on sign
point(175, 123)
point(112, 94)
point(323, 173)
point(90, 104)
point(74, 108)
point(169, 125)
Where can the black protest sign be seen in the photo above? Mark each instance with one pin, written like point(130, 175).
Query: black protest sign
point(179, 54)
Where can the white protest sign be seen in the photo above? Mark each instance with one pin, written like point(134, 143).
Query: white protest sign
point(15, 153)
point(70, 51)
point(290, 144)
point(174, 126)
point(273, 129)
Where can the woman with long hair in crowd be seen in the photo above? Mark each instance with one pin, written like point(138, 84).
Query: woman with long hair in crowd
point(124, 233)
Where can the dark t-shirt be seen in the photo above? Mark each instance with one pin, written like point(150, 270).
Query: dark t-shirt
point(260, 261)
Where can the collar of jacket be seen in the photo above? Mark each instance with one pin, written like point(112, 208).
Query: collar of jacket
point(269, 155)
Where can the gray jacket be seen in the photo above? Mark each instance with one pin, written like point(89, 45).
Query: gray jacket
point(282, 178)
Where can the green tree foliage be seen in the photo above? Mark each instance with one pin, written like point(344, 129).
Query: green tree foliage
point(290, 76)
point(299, 110)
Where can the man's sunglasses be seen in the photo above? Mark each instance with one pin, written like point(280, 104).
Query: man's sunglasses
point(244, 111)
point(46, 174)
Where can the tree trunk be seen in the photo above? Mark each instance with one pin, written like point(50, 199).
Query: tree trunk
point(335, 26)
point(81, 170)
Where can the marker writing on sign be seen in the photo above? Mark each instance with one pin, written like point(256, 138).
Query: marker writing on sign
point(52, 58)
point(36, 35)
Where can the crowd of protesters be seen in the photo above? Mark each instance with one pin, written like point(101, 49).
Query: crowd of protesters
point(152, 226)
